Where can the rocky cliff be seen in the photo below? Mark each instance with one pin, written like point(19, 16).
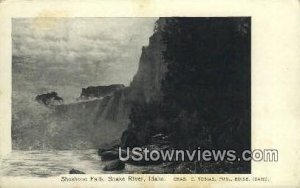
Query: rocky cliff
point(193, 83)
point(146, 84)
point(99, 91)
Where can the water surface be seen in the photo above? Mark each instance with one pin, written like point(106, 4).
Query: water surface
point(46, 163)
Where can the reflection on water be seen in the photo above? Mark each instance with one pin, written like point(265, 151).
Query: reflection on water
point(45, 163)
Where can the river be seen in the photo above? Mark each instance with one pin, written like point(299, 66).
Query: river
point(50, 163)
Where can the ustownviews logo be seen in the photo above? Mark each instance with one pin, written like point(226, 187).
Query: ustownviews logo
point(146, 154)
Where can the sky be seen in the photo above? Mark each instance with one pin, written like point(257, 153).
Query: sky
point(67, 54)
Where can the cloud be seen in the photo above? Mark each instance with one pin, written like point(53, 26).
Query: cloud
point(77, 52)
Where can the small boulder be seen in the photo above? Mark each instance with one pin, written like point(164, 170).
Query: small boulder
point(114, 165)
point(109, 155)
point(114, 145)
point(102, 150)
point(74, 171)
point(144, 162)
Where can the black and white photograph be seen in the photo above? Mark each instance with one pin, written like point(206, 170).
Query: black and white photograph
point(130, 95)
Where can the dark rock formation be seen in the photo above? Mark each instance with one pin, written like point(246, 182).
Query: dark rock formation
point(193, 83)
point(108, 146)
point(109, 155)
point(206, 90)
point(74, 171)
point(51, 98)
point(160, 139)
point(129, 139)
point(158, 142)
point(114, 165)
point(99, 91)
point(194, 78)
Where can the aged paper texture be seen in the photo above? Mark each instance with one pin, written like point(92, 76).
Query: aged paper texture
point(85, 83)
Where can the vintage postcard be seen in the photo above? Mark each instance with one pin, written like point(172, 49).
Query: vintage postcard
point(149, 94)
